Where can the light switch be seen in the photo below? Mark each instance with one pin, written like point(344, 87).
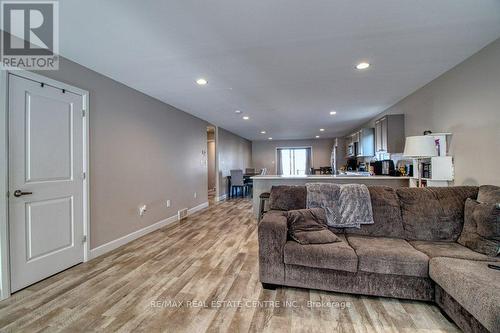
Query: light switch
point(142, 210)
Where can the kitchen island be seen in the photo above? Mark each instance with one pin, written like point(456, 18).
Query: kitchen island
point(264, 183)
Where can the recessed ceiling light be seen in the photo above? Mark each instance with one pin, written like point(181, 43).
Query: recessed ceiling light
point(201, 81)
point(317, 136)
point(321, 129)
point(362, 65)
point(237, 111)
point(270, 138)
point(246, 117)
point(332, 113)
point(262, 132)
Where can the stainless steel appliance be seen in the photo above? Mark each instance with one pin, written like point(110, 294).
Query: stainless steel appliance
point(333, 157)
point(384, 167)
point(352, 149)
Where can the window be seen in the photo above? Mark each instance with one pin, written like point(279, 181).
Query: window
point(293, 161)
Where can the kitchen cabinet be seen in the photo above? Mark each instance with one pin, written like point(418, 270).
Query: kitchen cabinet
point(366, 143)
point(390, 134)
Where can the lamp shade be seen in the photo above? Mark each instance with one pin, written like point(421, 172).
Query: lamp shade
point(420, 146)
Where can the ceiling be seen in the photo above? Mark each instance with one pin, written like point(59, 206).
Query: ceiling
point(284, 63)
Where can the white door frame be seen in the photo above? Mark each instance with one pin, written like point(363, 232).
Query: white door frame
point(4, 169)
point(216, 138)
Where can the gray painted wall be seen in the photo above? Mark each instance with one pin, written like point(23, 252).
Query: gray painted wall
point(466, 102)
point(264, 152)
point(142, 151)
point(234, 152)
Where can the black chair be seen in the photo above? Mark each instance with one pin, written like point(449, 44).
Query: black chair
point(325, 170)
point(314, 171)
point(264, 197)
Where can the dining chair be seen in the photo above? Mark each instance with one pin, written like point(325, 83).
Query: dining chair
point(263, 171)
point(237, 182)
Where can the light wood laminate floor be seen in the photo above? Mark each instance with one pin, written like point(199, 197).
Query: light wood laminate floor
point(206, 260)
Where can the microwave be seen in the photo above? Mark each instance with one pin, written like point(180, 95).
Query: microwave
point(352, 149)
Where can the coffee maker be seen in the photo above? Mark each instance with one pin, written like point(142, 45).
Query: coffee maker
point(384, 168)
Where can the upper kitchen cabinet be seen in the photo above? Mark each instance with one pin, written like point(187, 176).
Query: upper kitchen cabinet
point(390, 134)
point(366, 145)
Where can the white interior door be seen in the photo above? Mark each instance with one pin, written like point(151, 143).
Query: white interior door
point(45, 180)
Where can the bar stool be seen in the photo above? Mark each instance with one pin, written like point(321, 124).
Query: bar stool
point(264, 196)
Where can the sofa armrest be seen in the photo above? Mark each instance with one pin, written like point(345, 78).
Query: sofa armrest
point(272, 233)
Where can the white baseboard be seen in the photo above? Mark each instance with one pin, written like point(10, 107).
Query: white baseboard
point(222, 197)
point(197, 208)
point(105, 248)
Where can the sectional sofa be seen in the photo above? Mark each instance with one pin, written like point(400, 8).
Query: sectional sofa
point(410, 252)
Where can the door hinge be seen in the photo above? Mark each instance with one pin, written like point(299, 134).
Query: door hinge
point(84, 175)
point(83, 113)
point(84, 239)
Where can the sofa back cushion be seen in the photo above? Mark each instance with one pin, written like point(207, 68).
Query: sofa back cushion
point(434, 213)
point(386, 214)
point(481, 231)
point(287, 197)
point(489, 194)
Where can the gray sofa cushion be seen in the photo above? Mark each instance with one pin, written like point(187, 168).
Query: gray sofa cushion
point(287, 197)
point(388, 256)
point(473, 285)
point(452, 201)
point(481, 230)
point(386, 214)
point(338, 256)
point(308, 226)
point(489, 194)
point(434, 214)
point(448, 249)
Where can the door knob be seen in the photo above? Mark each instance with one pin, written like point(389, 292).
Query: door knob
point(18, 193)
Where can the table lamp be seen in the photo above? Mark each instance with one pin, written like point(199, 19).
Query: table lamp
point(419, 147)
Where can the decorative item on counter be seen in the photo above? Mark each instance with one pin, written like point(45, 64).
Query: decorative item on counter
point(402, 171)
point(438, 147)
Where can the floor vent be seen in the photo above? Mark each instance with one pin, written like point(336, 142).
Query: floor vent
point(182, 214)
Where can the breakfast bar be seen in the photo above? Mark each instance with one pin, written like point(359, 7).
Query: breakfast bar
point(264, 183)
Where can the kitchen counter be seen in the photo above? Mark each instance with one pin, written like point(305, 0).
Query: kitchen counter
point(328, 177)
point(264, 183)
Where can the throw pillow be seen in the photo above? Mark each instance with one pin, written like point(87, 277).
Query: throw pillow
point(287, 197)
point(308, 226)
point(481, 231)
point(489, 194)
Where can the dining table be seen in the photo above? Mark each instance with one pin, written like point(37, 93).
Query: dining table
point(246, 179)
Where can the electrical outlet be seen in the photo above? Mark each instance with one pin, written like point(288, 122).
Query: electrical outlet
point(195, 195)
point(142, 210)
point(168, 203)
